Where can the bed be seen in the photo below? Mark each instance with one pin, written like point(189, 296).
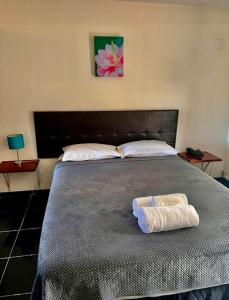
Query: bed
point(91, 246)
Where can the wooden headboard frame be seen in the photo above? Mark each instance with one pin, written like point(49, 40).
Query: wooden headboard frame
point(56, 129)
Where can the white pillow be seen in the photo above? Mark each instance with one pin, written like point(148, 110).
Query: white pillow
point(146, 148)
point(89, 151)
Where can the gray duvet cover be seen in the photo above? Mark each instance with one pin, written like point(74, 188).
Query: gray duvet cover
point(92, 248)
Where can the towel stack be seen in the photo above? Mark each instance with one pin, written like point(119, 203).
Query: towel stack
point(164, 212)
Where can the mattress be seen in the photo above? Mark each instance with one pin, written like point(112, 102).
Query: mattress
point(92, 248)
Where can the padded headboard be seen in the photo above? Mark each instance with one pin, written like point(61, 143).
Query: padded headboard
point(56, 129)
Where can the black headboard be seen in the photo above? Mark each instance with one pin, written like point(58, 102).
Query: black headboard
point(56, 129)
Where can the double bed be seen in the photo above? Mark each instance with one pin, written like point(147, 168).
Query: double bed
point(91, 246)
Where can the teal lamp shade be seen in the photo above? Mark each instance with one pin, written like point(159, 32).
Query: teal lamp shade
point(15, 141)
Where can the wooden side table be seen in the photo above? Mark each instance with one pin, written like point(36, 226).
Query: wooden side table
point(207, 159)
point(8, 167)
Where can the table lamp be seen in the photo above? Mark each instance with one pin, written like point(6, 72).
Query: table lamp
point(15, 142)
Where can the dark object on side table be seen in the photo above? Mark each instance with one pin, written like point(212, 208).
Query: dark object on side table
point(205, 160)
point(195, 153)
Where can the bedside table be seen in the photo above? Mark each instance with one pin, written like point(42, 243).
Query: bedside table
point(8, 167)
point(205, 161)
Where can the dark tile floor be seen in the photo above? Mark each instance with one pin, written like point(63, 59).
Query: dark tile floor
point(21, 217)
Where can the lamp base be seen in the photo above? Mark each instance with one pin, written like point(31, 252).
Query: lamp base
point(18, 162)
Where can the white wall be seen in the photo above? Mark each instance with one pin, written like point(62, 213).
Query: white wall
point(227, 158)
point(171, 61)
point(209, 112)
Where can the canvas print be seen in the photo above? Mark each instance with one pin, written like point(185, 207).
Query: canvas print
point(108, 56)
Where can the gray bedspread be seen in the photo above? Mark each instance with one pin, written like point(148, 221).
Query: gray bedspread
point(92, 248)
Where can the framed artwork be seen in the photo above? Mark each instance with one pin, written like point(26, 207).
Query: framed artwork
point(109, 58)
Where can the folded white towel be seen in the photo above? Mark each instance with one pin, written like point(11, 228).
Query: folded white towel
point(164, 218)
point(161, 200)
point(141, 202)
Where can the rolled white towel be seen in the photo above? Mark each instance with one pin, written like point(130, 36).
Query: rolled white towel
point(164, 218)
point(160, 200)
point(140, 202)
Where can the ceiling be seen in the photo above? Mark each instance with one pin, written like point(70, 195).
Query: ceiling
point(214, 3)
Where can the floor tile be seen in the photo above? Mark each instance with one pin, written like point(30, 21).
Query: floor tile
point(11, 202)
point(19, 275)
point(6, 242)
point(2, 266)
point(39, 200)
point(16, 297)
point(34, 218)
point(11, 220)
point(16, 193)
point(27, 242)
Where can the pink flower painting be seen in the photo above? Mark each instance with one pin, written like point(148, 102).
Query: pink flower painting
point(109, 56)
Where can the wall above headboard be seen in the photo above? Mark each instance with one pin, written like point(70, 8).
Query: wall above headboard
point(56, 129)
point(48, 65)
